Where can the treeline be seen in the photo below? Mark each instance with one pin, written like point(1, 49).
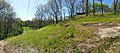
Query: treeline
point(55, 11)
point(9, 24)
point(36, 23)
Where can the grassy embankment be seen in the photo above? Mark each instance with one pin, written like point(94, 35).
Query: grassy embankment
point(58, 38)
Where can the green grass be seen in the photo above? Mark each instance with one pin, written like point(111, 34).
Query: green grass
point(47, 37)
point(105, 45)
point(50, 38)
point(26, 29)
point(58, 38)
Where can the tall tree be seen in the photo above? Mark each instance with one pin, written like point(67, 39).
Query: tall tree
point(60, 6)
point(115, 5)
point(87, 7)
point(93, 7)
point(101, 6)
point(79, 6)
point(55, 8)
point(118, 6)
point(101, 3)
point(70, 4)
point(83, 7)
point(9, 26)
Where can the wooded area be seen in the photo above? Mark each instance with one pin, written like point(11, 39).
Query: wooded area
point(9, 24)
point(57, 10)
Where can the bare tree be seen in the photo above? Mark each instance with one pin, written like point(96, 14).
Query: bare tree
point(70, 4)
point(55, 8)
point(78, 6)
point(101, 6)
point(40, 14)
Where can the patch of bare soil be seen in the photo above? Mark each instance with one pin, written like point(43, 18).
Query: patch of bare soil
point(2, 44)
point(101, 25)
point(19, 49)
point(108, 32)
point(105, 29)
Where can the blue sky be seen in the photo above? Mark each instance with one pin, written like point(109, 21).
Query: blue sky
point(109, 2)
point(21, 7)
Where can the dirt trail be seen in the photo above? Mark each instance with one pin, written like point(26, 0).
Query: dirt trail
point(108, 32)
point(2, 44)
point(105, 29)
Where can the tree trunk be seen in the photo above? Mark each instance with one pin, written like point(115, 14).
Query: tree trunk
point(101, 6)
point(64, 15)
point(115, 6)
point(61, 11)
point(86, 7)
point(93, 7)
point(83, 5)
point(71, 15)
point(53, 19)
point(56, 18)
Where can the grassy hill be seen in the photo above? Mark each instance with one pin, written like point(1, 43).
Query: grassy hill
point(68, 36)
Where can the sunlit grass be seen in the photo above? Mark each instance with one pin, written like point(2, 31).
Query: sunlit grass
point(26, 29)
point(58, 37)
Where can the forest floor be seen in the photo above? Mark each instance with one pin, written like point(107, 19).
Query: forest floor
point(94, 34)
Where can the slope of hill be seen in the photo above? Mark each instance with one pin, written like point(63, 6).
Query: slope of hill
point(80, 35)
